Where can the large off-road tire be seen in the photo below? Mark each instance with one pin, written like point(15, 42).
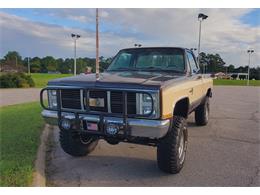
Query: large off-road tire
point(75, 144)
point(202, 113)
point(171, 149)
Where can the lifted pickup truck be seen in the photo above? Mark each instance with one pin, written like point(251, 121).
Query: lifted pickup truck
point(144, 97)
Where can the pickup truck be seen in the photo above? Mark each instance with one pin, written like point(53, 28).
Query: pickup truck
point(144, 97)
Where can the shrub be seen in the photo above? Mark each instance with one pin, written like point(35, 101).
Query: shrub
point(16, 80)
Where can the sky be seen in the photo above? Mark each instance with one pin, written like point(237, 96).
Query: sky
point(46, 32)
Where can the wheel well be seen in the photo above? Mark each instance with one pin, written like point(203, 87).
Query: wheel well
point(181, 108)
point(209, 92)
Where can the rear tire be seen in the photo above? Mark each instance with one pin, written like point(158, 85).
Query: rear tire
point(171, 150)
point(202, 113)
point(76, 144)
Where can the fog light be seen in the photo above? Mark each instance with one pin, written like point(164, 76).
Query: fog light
point(66, 124)
point(112, 129)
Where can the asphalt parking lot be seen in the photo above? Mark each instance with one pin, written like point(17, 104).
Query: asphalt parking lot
point(226, 152)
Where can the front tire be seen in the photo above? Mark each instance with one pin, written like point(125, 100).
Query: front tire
point(171, 150)
point(76, 144)
point(202, 113)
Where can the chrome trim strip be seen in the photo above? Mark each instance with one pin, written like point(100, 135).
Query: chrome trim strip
point(81, 99)
point(102, 88)
point(108, 101)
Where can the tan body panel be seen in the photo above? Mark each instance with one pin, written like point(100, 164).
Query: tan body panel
point(194, 88)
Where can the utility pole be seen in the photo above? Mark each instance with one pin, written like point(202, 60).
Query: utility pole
point(250, 51)
point(97, 46)
point(16, 61)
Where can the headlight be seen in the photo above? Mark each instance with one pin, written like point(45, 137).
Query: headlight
point(52, 98)
point(144, 104)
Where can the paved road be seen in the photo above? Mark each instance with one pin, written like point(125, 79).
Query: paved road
point(224, 153)
point(17, 96)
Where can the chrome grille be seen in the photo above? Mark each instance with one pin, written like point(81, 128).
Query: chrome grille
point(113, 100)
point(70, 99)
point(131, 103)
point(117, 102)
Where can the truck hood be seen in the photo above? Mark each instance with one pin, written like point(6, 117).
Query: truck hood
point(125, 79)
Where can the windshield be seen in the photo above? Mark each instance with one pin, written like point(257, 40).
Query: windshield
point(149, 59)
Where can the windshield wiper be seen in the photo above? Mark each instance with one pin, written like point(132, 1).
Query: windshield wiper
point(152, 68)
point(124, 69)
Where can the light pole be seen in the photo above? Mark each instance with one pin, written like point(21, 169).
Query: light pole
point(250, 51)
point(28, 60)
point(193, 49)
point(75, 37)
point(201, 17)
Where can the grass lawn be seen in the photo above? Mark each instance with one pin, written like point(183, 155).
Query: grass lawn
point(41, 79)
point(20, 130)
point(236, 82)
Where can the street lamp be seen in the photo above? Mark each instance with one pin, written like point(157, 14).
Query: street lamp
point(137, 45)
point(250, 51)
point(193, 49)
point(201, 17)
point(75, 37)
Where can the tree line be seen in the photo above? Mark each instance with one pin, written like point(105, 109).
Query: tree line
point(213, 64)
point(51, 64)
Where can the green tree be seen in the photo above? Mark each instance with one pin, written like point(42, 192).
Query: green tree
point(255, 73)
point(214, 63)
point(13, 58)
point(35, 64)
point(66, 66)
point(48, 63)
point(231, 68)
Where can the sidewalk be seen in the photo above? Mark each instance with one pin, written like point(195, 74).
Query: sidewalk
point(17, 96)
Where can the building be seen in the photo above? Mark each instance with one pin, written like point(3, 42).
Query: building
point(239, 76)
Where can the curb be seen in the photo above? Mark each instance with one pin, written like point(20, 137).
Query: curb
point(39, 178)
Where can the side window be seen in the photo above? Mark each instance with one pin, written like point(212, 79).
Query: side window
point(192, 62)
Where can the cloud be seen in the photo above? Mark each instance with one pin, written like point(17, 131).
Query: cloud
point(223, 32)
point(40, 39)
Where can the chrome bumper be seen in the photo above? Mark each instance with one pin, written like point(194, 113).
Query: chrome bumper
point(139, 127)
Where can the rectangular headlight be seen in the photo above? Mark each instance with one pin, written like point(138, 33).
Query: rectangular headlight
point(52, 99)
point(144, 104)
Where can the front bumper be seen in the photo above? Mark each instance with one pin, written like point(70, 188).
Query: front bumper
point(137, 127)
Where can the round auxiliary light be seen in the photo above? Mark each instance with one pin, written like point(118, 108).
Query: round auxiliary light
point(65, 124)
point(112, 129)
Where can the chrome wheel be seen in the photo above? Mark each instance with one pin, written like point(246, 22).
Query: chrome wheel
point(181, 145)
